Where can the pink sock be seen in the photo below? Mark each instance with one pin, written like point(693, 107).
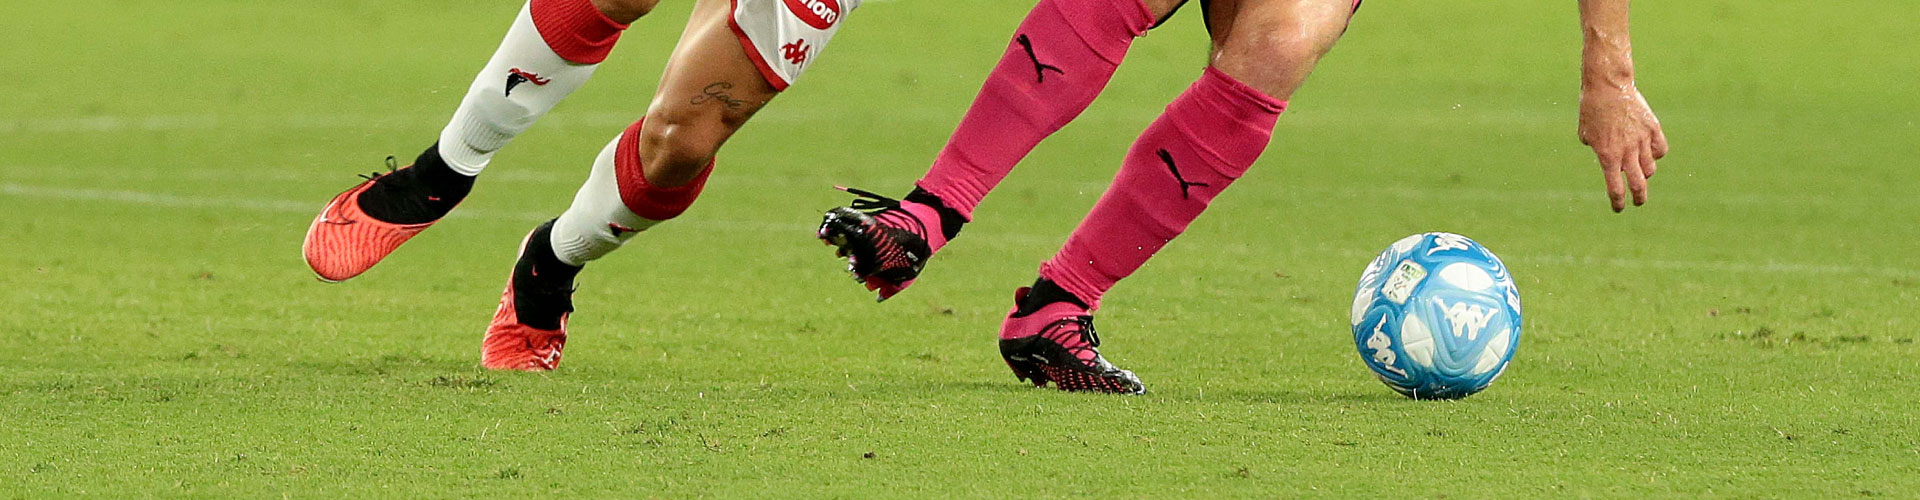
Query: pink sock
point(1059, 60)
point(1204, 141)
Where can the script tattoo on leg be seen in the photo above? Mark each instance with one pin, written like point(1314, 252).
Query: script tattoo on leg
point(717, 92)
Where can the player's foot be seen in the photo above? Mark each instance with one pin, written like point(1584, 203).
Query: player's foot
point(530, 327)
point(365, 223)
point(887, 241)
point(1049, 337)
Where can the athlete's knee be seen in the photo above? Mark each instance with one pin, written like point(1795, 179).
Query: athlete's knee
point(1273, 48)
point(677, 144)
point(625, 11)
point(1275, 60)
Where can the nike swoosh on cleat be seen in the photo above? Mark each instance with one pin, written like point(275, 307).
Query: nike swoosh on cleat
point(326, 215)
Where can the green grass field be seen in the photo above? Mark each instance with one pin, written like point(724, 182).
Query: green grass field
point(1749, 334)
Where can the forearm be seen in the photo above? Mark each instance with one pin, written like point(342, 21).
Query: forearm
point(1607, 49)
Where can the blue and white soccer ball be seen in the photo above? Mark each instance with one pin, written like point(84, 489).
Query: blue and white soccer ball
point(1436, 316)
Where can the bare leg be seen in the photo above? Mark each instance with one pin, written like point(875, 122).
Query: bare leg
point(1273, 45)
point(709, 90)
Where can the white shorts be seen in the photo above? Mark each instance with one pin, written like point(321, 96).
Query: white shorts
point(782, 37)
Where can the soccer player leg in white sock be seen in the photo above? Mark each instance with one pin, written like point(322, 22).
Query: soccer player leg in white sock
point(551, 50)
point(651, 173)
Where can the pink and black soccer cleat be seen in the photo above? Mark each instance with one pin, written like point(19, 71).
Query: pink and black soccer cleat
point(1054, 342)
point(886, 241)
point(363, 225)
point(530, 327)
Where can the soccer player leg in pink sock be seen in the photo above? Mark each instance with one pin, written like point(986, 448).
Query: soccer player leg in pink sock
point(1204, 141)
point(1058, 61)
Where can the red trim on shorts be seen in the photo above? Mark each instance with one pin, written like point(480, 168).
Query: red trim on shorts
point(643, 198)
point(753, 52)
point(575, 29)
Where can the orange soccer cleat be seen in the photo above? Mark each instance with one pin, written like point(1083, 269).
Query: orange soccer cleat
point(530, 327)
point(364, 224)
point(512, 345)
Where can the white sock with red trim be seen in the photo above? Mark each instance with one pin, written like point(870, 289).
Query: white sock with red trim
point(551, 50)
point(618, 202)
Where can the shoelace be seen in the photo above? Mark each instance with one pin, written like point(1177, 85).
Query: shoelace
point(871, 202)
point(1086, 330)
point(879, 205)
point(1085, 323)
point(393, 165)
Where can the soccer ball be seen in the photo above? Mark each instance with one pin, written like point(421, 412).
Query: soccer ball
point(1436, 316)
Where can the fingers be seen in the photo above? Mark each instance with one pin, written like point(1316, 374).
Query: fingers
point(1647, 165)
point(1659, 143)
point(1616, 188)
point(1636, 178)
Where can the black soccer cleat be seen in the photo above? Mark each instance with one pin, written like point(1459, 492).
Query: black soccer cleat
point(886, 241)
point(1055, 342)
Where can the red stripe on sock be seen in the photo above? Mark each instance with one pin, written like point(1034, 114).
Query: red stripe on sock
point(643, 198)
point(575, 29)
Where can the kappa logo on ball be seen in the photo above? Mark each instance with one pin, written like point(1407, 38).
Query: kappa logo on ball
point(1449, 241)
point(1467, 319)
point(1383, 349)
point(820, 14)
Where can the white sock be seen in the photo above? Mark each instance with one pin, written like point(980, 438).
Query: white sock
point(492, 114)
point(598, 222)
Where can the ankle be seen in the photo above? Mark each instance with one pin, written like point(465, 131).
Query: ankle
point(437, 176)
point(950, 220)
point(539, 256)
point(1043, 293)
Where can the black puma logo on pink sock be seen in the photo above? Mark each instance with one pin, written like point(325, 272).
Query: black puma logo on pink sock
point(1185, 186)
point(1040, 69)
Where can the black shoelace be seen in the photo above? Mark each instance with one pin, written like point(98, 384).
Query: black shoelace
point(879, 205)
point(393, 165)
point(1086, 328)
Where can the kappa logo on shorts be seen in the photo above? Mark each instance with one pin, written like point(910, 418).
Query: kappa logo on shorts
point(820, 14)
point(796, 52)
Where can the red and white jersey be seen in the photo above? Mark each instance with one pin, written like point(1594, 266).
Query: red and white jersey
point(784, 36)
